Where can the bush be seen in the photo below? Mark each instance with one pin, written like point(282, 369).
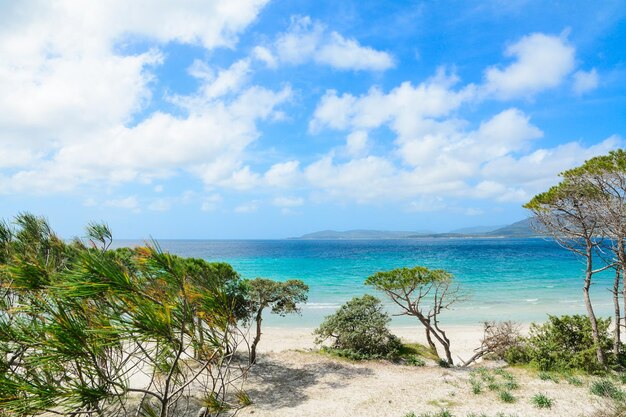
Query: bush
point(443, 363)
point(415, 360)
point(573, 380)
point(606, 388)
point(565, 343)
point(542, 401)
point(507, 397)
point(359, 327)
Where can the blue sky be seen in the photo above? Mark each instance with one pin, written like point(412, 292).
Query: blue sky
point(268, 119)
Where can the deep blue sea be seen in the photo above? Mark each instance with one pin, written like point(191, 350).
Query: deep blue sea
point(505, 279)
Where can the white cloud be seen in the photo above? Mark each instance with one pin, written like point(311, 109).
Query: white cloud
point(434, 152)
point(265, 55)
point(310, 41)
point(362, 179)
point(230, 80)
point(404, 107)
point(518, 179)
point(585, 81)
point(541, 62)
point(283, 174)
point(356, 143)
point(67, 94)
point(347, 54)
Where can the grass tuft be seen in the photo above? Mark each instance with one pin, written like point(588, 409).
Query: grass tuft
point(507, 397)
point(606, 388)
point(542, 401)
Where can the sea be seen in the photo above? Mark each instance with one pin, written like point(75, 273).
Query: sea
point(523, 280)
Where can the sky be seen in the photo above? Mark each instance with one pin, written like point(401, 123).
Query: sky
point(268, 119)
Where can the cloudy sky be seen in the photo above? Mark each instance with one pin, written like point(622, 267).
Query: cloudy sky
point(267, 119)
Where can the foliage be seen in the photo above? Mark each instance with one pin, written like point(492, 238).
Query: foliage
point(78, 323)
point(542, 401)
point(422, 293)
point(360, 327)
point(281, 297)
point(548, 376)
point(414, 360)
point(499, 381)
point(477, 386)
point(606, 388)
point(565, 343)
point(507, 397)
point(573, 380)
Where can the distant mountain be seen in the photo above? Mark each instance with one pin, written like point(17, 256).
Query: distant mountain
point(360, 234)
point(476, 229)
point(520, 229)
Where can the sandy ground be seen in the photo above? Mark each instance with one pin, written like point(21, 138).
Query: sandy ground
point(290, 379)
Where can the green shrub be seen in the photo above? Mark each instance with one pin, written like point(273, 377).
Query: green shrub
point(573, 380)
point(443, 363)
point(507, 397)
point(511, 385)
point(519, 354)
point(477, 386)
point(547, 376)
point(414, 360)
point(493, 386)
point(442, 413)
point(606, 388)
point(565, 343)
point(359, 328)
point(542, 401)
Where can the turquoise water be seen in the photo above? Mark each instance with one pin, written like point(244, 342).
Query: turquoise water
point(505, 279)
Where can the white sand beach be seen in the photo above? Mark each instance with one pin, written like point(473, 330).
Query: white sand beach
point(290, 379)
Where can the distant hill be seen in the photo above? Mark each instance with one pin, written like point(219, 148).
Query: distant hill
point(360, 234)
point(476, 229)
point(520, 229)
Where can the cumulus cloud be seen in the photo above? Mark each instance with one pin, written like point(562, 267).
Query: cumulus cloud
point(283, 174)
point(307, 40)
point(356, 143)
point(585, 81)
point(403, 106)
point(540, 62)
point(69, 94)
point(434, 151)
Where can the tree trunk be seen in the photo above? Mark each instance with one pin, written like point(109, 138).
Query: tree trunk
point(617, 332)
point(587, 299)
point(431, 344)
point(257, 337)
